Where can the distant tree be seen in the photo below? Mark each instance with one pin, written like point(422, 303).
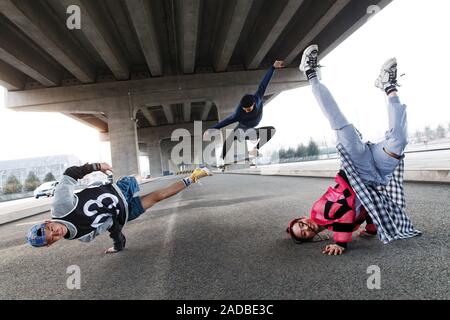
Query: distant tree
point(282, 153)
point(31, 182)
point(429, 133)
point(49, 177)
point(313, 149)
point(418, 135)
point(275, 156)
point(290, 153)
point(440, 132)
point(301, 151)
point(12, 185)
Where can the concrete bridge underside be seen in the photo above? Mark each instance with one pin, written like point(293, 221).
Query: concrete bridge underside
point(139, 68)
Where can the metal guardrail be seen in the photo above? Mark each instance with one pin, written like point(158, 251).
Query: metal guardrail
point(429, 150)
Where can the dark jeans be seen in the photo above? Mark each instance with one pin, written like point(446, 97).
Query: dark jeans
point(263, 134)
point(130, 189)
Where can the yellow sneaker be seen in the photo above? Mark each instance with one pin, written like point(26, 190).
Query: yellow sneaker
point(200, 173)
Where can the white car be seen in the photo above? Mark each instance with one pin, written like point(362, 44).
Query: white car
point(46, 189)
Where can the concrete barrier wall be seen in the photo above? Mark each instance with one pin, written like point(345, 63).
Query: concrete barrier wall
point(15, 196)
point(23, 213)
point(427, 176)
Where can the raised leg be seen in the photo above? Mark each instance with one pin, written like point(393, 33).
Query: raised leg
point(228, 144)
point(388, 153)
point(153, 198)
point(346, 133)
point(264, 134)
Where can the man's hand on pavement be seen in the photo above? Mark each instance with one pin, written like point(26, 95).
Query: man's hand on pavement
point(333, 250)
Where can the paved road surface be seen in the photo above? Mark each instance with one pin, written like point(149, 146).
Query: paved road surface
point(225, 240)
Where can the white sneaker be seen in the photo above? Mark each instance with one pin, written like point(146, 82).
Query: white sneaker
point(388, 75)
point(309, 58)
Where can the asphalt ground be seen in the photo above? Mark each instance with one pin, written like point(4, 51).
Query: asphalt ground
point(225, 239)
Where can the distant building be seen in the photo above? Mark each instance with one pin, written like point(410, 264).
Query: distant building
point(40, 166)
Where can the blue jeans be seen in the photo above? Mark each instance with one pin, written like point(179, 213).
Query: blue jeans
point(370, 160)
point(130, 189)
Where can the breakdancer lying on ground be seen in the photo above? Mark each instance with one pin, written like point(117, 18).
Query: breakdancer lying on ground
point(370, 185)
point(94, 210)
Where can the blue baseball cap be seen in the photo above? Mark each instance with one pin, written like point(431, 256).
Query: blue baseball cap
point(36, 235)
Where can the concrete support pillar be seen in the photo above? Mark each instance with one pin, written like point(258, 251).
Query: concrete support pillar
point(156, 169)
point(123, 139)
point(165, 156)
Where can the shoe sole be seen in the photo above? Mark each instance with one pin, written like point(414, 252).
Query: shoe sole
point(306, 53)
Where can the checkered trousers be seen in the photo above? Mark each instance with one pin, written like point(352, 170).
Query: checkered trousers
point(386, 205)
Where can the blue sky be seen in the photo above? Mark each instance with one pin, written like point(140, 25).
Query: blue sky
point(413, 31)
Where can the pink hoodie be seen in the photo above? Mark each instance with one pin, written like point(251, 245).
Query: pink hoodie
point(335, 210)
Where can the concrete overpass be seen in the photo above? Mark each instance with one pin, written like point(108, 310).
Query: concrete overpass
point(136, 65)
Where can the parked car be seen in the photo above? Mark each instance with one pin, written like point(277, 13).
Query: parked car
point(46, 189)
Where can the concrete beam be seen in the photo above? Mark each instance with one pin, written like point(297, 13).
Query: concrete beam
point(157, 91)
point(233, 20)
point(149, 116)
point(10, 78)
point(168, 113)
point(172, 87)
point(144, 24)
point(16, 51)
point(206, 110)
point(318, 27)
point(90, 120)
point(189, 17)
point(101, 116)
point(269, 30)
point(187, 111)
point(95, 29)
point(45, 30)
point(154, 135)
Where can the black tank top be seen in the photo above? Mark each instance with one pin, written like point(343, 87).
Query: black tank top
point(94, 206)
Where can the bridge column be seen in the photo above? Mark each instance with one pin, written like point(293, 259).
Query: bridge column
point(155, 161)
point(123, 139)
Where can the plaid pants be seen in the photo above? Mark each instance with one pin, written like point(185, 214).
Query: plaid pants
point(386, 205)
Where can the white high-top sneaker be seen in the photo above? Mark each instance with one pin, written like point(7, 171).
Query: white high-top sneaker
point(309, 58)
point(388, 75)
